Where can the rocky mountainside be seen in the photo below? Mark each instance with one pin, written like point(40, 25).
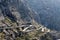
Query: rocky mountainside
point(19, 22)
point(18, 10)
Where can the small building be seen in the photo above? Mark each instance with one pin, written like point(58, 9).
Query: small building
point(43, 30)
point(48, 30)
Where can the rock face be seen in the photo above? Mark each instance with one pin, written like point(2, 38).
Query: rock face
point(1, 16)
point(18, 10)
point(17, 19)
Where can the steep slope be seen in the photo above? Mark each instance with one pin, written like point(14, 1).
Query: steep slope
point(18, 12)
point(48, 11)
point(19, 21)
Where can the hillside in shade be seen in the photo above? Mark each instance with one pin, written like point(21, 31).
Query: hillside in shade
point(49, 11)
point(18, 10)
point(20, 20)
